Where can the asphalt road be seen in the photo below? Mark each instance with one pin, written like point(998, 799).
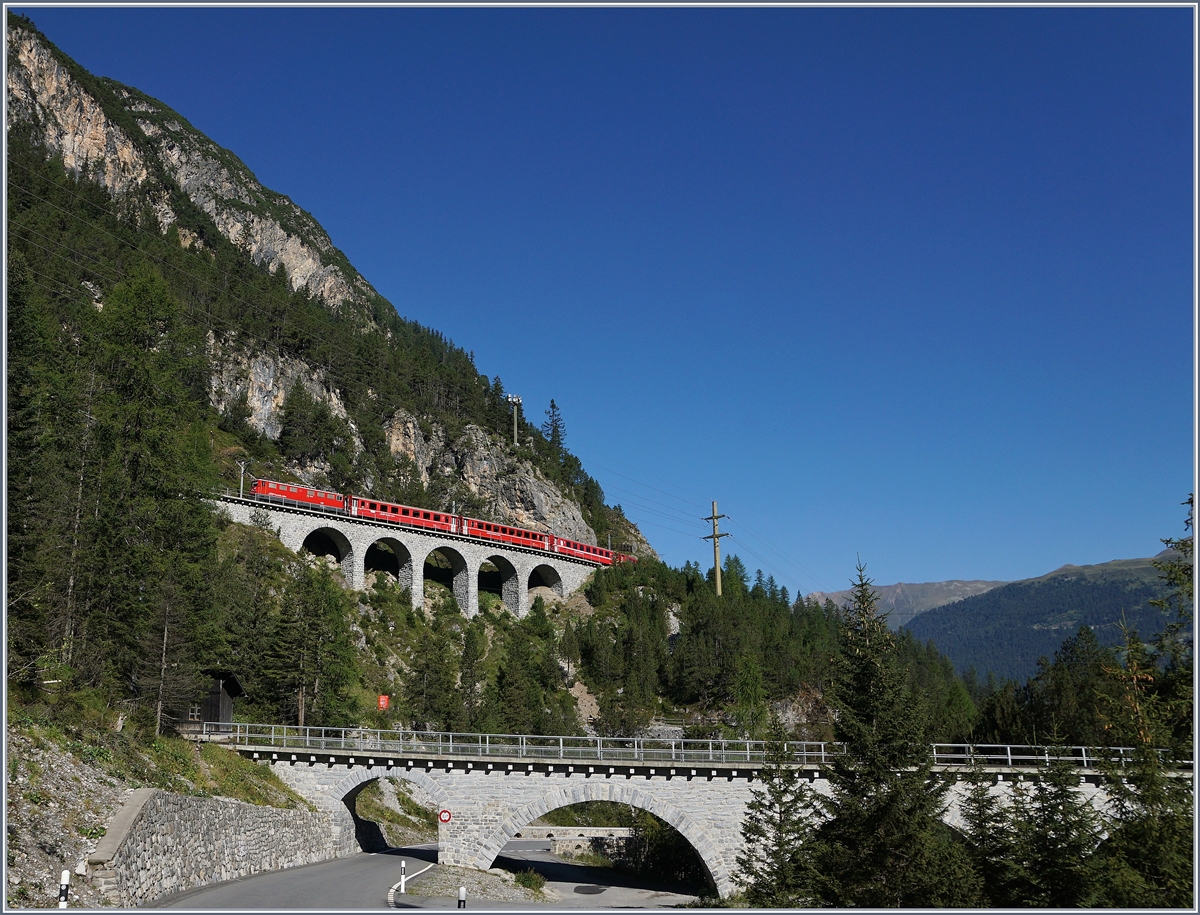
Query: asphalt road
point(361, 882)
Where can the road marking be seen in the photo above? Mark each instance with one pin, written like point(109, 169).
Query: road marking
point(392, 891)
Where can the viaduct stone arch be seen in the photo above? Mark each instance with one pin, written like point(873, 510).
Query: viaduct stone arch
point(354, 537)
point(464, 585)
point(544, 575)
point(710, 854)
point(510, 583)
point(403, 570)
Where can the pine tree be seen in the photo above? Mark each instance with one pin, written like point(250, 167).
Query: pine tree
point(882, 842)
point(554, 429)
point(568, 647)
point(778, 823)
point(472, 676)
point(1173, 689)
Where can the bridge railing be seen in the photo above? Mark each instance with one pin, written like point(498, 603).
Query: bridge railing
point(511, 746)
point(440, 744)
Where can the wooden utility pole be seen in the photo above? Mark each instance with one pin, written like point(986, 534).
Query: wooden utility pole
point(716, 539)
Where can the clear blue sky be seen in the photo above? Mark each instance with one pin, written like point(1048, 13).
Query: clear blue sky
point(910, 285)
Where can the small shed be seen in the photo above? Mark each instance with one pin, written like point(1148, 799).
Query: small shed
point(214, 706)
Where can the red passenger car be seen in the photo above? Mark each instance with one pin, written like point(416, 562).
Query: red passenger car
point(392, 513)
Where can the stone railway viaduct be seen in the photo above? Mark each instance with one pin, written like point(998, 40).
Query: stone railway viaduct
point(356, 543)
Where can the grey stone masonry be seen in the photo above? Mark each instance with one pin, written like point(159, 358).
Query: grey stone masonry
point(485, 803)
point(354, 536)
point(161, 843)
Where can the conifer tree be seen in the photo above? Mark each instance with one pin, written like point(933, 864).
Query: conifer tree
point(568, 647)
point(472, 675)
point(882, 842)
point(1147, 859)
point(989, 839)
point(1056, 834)
point(779, 822)
point(554, 429)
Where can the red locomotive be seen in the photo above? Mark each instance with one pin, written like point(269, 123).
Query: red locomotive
point(391, 513)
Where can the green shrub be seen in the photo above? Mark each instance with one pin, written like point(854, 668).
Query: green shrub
point(531, 880)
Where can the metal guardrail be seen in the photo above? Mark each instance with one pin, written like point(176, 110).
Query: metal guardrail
point(447, 745)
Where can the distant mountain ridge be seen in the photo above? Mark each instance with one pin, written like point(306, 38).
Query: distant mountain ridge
point(904, 601)
point(1006, 629)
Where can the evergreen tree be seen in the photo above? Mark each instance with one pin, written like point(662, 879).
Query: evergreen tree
point(429, 687)
point(1147, 858)
point(1173, 646)
point(554, 429)
point(750, 701)
point(989, 839)
point(312, 663)
point(517, 697)
point(882, 842)
point(779, 822)
point(1056, 834)
point(472, 676)
point(568, 647)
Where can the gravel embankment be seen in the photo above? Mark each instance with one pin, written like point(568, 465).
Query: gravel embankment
point(58, 807)
point(496, 885)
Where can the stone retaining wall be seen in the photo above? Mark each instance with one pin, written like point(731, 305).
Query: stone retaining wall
point(164, 843)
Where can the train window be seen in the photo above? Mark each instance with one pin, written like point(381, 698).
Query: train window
point(291, 489)
point(425, 515)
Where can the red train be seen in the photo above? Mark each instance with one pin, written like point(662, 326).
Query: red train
point(390, 513)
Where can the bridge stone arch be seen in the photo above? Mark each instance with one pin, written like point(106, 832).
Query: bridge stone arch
point(709, 853)
point(510, 583)
point(358, 778)
point(403, 564)
point(465, 586)
point(324, 540)
point(543, 575)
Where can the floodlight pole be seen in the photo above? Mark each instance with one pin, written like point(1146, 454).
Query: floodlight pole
point(516, 402)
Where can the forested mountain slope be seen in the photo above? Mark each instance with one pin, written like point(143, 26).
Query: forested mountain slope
point(1007, 629)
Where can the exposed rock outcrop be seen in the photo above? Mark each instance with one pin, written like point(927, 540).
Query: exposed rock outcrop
point(265, 379)
point(268, 226)
point(74, 125)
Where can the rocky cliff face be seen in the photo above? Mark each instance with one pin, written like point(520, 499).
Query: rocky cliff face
point(515, 491)
point(73, 123)
point(518, 492)
point(273, 231)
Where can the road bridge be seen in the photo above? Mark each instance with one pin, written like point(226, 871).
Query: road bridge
point(490, 787)
point(402, 551)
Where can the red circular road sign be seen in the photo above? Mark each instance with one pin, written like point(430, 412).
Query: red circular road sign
point(444, 816)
